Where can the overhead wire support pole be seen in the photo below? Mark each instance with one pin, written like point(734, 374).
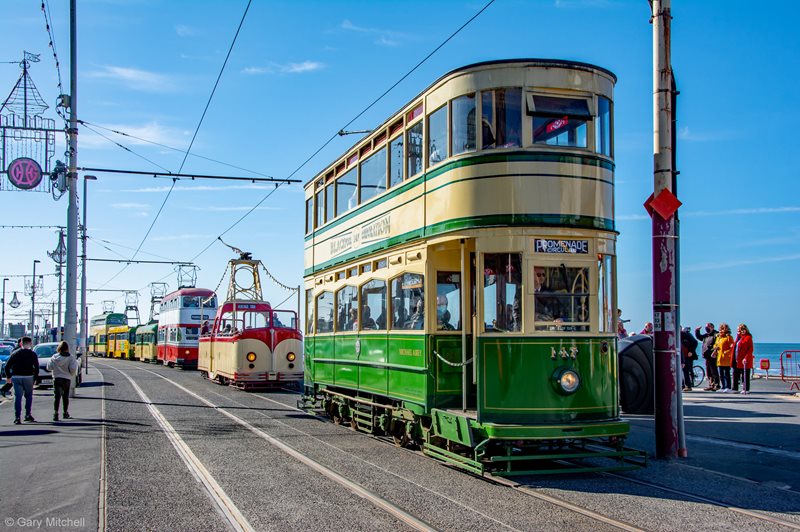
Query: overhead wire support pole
point(664, 205)
point(70, 313)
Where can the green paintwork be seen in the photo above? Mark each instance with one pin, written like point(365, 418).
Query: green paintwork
point(452, 427)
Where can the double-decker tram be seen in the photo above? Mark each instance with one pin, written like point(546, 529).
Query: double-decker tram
point(98, 332)
point(118, 341)
point(144, 343)
point(181, 316)
point(460, 273)
point(251, 344)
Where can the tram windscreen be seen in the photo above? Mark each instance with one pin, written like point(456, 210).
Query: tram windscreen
point(284, 319)
point(448, 301)
point(502, 292)
point(561, 301)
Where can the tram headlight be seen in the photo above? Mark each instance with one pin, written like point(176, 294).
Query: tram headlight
point(291, 356)
point(251, 357)
point(567, 381)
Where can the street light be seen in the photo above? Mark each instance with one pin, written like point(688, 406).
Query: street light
point(3, 318)
point(33, 297)
point(83, 329)
point(59, 256)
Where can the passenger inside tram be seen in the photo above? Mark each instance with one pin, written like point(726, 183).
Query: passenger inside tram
point(443, 315)
point(366, 313)
point(417, 320)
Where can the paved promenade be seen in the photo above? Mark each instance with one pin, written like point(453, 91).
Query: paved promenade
point(181, 453)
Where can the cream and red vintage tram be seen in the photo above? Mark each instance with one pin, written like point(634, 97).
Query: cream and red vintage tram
point(251, 345)
point(181, 316)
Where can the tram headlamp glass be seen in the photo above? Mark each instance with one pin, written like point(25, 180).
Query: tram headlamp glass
point(568, 380)
point(290, 357)
point(251, 357)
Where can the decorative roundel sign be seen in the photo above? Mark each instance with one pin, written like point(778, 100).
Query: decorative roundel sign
point(24, 173)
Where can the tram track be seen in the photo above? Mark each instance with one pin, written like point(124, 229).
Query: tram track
point(538, 493)
point(554, 501)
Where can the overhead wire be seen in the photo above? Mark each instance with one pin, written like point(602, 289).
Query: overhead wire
point(90, 128)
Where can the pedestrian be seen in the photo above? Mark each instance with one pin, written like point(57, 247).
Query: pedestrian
point(723, 348)
point(64, 367)
point(708, 338)
point(647, 329)
point(22, 367)
point(744, 356)
point(688, 356)
point(621, 332)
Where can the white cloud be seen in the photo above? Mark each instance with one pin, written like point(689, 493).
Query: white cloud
point(135, 79)
point(385, 37)
point(185, 31)
point(284, 68)
point(130, 205)
point(737, 263)
point(152, 132)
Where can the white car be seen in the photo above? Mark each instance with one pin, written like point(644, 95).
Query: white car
point(44, 352)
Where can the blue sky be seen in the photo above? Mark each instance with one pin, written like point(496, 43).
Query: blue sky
point(301, 70)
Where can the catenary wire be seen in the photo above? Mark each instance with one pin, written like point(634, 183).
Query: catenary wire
point(90, 128)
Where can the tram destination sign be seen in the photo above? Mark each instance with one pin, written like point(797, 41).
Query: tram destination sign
point(548, 245)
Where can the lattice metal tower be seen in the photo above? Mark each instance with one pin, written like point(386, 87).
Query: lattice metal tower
point(132, 306)
point(187, 276)
point(157, 293)
point(108, 306)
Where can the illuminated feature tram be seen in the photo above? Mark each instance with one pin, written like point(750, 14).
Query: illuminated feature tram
point(99, 326)
point(251, 345)
point(181, 316)
point(460, 273)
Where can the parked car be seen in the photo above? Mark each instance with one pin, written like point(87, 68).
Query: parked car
point(44, 352)
point(5, 353)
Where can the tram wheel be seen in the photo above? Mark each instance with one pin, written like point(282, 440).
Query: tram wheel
point(636, 373)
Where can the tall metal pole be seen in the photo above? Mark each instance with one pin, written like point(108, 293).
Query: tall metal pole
point(60, 266)
point(3, 318)
point(83, 328)
point(70, 312)
point(33, 299)
point(665, 243)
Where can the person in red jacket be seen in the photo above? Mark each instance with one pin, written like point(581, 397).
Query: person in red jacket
point(744, 356)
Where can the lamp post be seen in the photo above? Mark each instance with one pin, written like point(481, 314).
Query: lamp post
point(83, 329)
point(33, 297)
point(59, 255)
point(3, 318)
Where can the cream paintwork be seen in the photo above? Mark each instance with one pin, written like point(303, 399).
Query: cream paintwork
point(229, 359)
point(281, 364)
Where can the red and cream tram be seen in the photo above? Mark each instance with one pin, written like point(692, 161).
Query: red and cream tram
point(180, 318)
point(251, 345)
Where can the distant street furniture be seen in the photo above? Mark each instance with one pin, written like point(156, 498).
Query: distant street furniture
point(765, 365)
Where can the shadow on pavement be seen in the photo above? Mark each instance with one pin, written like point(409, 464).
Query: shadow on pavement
point(27, 432)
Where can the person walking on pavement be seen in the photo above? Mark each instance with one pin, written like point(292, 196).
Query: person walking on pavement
point(708, 338)
point(22, 368)
point(688, 356)
point(64, 367)
point(723, 347)
point(744, 356)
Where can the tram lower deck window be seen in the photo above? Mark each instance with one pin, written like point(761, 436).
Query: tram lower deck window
point(502, 292)
point(561, 301)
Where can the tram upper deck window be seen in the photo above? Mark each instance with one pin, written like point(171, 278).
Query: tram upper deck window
point(209, 302)
point(309, 215)
point(559, 121)
point(373, 175)
point(408, 302)
point(396, 161)
point(448, 301)
point(329, 204)
point(501, 118)
point(346, 192)
point(347, 309)
point(602, 127)
point(320, 199)
point(373, 305)
point(284, 319)
point(462, 112)
point(414, 149)
point(437, 136)
point(561, 301)
point(502, 292)
point(191, 302)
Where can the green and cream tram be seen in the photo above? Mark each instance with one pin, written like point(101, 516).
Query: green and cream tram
point(459, 273)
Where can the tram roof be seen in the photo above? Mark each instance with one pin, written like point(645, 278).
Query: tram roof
point(531, 61)
point(189, 292)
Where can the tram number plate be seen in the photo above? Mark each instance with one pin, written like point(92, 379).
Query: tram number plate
point(550, 245)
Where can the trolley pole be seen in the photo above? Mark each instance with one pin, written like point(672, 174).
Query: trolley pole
point(70, 310)
point(663, 206)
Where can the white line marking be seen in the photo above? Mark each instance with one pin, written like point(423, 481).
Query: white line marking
point(102, 512)
point(226, 506)
point(354, 487)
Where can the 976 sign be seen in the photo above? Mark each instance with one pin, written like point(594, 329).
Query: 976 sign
point(24, 173)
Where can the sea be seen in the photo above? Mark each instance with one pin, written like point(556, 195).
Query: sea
point(771, 352)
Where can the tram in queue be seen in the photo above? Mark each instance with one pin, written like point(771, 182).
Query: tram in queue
point(181, 316)
point(250, 344)
point(144, 343)
point(460, 274)
point(118, 341)
point(98, 331)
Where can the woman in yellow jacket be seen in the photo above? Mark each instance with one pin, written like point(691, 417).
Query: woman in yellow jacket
point(723, 347)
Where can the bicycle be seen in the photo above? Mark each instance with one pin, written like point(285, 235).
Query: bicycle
point(698, 375)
